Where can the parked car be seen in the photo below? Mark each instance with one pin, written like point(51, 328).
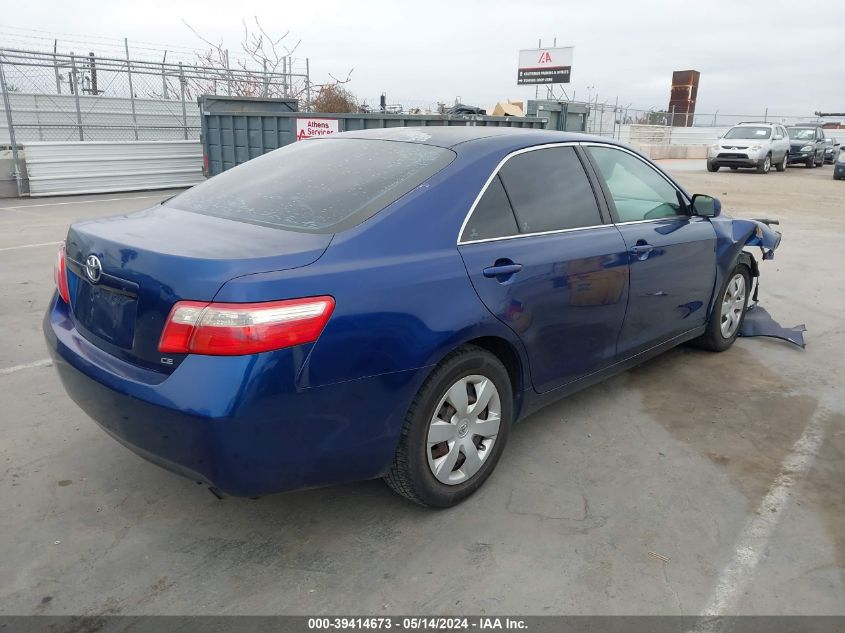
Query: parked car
point(831, 150)
point(807, 145)
point(839, 167)
point(386, 303)
point(755, 144)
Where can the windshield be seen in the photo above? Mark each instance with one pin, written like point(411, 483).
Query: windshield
point(749, 132)
point(802, 133)
point(316, 186)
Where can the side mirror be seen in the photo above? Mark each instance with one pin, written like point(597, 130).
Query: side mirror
point(706, 206)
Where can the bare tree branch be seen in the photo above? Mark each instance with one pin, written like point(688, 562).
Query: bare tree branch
point(266, 69)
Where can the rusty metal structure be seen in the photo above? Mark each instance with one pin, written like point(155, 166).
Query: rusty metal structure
point(683, 97)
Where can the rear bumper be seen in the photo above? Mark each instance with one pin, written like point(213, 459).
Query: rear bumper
point(238, 423)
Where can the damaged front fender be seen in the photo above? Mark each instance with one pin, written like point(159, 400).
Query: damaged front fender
point(732, 236)
point(763, 235)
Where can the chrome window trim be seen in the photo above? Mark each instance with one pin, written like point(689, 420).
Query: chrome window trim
point(535, 148)
point(519, 235)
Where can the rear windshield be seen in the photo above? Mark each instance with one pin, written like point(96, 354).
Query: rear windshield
point(316, 186)
point(749, 132)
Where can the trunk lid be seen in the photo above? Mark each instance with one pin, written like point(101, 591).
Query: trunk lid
point(151, 259)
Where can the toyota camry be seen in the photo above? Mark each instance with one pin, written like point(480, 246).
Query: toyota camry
point(387, 303)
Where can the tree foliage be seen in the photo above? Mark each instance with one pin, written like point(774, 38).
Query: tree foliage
point(334, 98)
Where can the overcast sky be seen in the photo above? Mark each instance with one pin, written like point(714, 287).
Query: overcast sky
point(787, 56)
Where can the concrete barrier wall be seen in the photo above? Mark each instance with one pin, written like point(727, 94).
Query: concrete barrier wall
point(658, 152)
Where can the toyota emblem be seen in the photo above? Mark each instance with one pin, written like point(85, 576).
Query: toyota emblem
point(93, 268)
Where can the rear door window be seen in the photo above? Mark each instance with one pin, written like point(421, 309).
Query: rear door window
point(317, 186)
point(549, 191)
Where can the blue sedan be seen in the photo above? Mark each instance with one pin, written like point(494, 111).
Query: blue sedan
point(386, 303)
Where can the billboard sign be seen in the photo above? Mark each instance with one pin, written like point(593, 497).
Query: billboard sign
point(544, 66)
point(311, 127)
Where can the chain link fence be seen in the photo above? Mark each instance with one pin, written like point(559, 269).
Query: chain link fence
point(68, 97)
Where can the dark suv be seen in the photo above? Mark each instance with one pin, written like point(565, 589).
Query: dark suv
point(806, 145)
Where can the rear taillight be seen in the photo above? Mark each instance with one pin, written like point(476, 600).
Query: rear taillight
point(234, 329)
point(60, 274)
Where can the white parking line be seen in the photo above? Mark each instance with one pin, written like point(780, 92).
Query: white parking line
point(44, 362)
point(59, 204)
point(14, 248)
point(754, 539)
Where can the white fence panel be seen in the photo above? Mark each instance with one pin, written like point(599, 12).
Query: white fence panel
point(45, 117)
point(101, 167)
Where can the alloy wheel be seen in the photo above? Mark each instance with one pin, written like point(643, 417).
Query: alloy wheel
point(463, 429)
point(733, 304)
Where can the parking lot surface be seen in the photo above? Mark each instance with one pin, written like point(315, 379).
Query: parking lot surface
point(695, 483)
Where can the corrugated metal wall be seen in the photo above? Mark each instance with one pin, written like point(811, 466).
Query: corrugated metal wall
point(100, 167)
point(44, 117)
point(235, 130)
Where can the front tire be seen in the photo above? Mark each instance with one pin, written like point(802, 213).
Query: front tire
point(766, 166)
point(728, 312)
point(455, 430)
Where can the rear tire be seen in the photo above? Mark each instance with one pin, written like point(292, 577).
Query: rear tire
point(781, 166)
point(728, 312)
point(443, 472)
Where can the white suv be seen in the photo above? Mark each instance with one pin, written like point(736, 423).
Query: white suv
point(756, 144)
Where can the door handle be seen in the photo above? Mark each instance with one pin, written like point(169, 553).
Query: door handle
point(502, 270)
point(641, 250)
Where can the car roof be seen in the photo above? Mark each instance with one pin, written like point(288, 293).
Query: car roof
point(450, 136)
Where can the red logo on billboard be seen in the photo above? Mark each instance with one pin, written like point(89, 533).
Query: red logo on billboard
point(545, 58)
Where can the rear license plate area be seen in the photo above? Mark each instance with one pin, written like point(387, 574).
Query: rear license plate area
point(104, 311)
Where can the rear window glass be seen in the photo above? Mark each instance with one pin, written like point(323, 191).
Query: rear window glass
point(317, 186)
